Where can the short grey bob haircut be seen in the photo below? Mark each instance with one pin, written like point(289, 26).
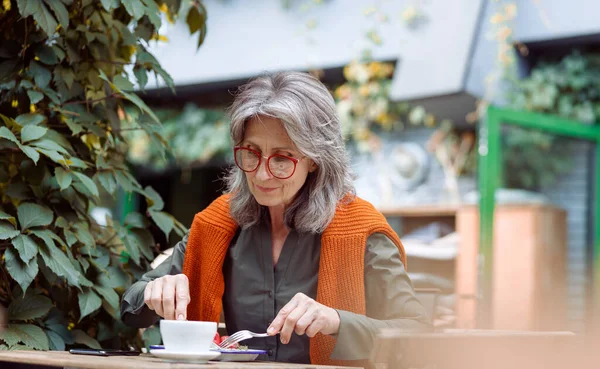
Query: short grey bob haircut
point(308, 114)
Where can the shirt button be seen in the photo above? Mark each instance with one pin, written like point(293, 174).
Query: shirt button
point(270, 293)
point(270, 352)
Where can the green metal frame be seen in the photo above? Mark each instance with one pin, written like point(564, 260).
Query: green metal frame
point(490, 172)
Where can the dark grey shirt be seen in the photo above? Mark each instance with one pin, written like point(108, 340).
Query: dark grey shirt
point(255, 291)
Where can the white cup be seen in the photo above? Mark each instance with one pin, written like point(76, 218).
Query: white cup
point(187, 336)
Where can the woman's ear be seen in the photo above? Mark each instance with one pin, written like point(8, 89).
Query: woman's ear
point(313, 167)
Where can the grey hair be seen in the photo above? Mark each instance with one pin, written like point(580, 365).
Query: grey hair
point(308, 114)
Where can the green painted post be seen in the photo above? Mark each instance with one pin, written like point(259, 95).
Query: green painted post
point(596, 249)
point(489, 175)
point(490, 179)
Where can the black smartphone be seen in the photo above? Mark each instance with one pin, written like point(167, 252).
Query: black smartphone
point(104, 352)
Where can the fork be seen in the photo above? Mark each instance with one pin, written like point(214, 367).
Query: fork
point(240, 336)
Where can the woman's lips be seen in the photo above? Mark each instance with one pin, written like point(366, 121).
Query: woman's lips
point(265, 189)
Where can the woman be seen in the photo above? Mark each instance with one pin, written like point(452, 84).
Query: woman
point(289, 249)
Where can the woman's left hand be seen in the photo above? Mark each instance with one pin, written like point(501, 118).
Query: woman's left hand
point(304, 315)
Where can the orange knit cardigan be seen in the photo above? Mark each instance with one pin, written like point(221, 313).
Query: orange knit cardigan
point(341, 268)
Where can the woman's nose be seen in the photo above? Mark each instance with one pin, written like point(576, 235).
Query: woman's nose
point(263, 172)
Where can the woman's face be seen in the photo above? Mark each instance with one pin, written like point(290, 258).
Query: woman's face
point(267, 136)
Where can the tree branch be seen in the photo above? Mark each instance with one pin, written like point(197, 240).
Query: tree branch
point(89, 101)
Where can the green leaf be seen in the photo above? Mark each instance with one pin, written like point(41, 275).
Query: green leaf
point(83, 234)
point(125, 182)
point(40, 74)
point(89, 302)
point(153, 199)
point(153, 12)
point(54, 156)
point(84, 263)
point(48, 144)
point(7, 69)
point(145, 242)
point(40, 13)
point(82, 338)
point(62, 14)
point(58, 262)
point(47, 236)
point(31, 153)
point(196, 20)
point(10, 218)
point(22, 273)
point(30, 335)
point(107, 180)
point(46, 54)
point(87, 182)
point(133, 248)
point(122, 83)
point(163, 220)
point(65, 74)
point(26, 247)
point(56, 341)
point(30, 133)
point(136, 220)
point(35, 96)
point(7, 134)
point(135, 8)
point(30, 119)
point(140, 104)
point(63, 177)
point(142, 76)
point(33, 215)
point(110, 4)
point(7, 231)
point(111, 297)
point(29, 307)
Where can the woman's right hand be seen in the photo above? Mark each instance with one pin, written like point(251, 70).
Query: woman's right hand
point(168, 296)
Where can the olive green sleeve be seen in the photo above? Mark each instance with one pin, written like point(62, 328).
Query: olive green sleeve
point(390, 303)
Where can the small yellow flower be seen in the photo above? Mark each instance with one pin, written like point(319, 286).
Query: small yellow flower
point(32, 108)
point(429, 120)
point(6, 4)
point(497, 18)
point(163, 8)
point(511, 10)
point(364, 90)
point(15, 103)
point(504, 33)
point(409, 13)
point(342, 92)
point(71, 326)
point(375, 68)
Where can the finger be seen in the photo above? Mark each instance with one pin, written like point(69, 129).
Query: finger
point(290, 322)
point(277, 323)
point(148, 295)
point(315, 327)
point(168, 298)
point(305, 320)
point(156, 298)
point(182, 295)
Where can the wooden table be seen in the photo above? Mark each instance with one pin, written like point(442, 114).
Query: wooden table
point(63, 359)
point(482, 349)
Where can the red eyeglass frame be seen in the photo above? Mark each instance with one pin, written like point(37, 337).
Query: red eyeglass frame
point(260, 157)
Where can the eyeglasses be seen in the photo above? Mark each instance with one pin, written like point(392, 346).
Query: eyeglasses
point(280, 166)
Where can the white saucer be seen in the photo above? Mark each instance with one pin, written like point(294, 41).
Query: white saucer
point(197, 357)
